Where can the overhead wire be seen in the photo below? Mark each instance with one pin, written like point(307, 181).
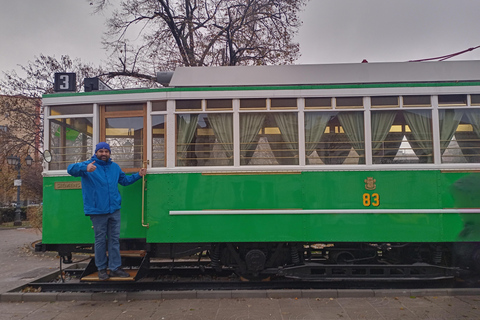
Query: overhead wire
point(448, 56)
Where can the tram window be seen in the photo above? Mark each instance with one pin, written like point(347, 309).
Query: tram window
point(334, 138)
point(188, 104)
point(71, 109)
point(475, 99)
point(123, 107)
point(283, 103)
point(219, 104)
point(349, 102)
point(253, 104)
point(269, 139)
point(204, 139)
point(460, 135)
point(70, 141)
point(318, 103)
point(159, 106)
point(452, 100)
point(126, 138)
point(402, 136)
point(384, 102)
point(416, 101)
point(158, 141)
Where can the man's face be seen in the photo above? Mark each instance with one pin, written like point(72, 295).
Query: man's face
point(103, 154)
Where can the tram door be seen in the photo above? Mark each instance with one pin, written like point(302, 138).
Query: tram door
point(122, 126)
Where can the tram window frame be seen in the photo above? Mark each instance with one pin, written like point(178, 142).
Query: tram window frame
point(123, 111)
point(64, 137)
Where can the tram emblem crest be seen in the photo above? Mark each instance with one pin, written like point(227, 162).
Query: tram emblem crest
point(370, 183)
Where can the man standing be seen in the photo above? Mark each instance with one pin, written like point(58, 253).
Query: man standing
point(101, 202)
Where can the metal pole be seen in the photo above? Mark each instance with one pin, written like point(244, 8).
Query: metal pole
point(18, 218)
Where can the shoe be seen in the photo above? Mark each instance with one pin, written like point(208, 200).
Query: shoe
point(103, 275)
point(119, 273)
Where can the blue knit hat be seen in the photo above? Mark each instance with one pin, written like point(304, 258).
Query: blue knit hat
point(102, 145)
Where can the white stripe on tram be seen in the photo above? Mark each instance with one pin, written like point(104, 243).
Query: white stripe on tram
point(328, 211)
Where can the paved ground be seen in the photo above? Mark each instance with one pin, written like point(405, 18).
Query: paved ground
point(19, 266)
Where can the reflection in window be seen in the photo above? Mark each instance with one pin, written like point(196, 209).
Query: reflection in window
point(460, 135)
point(268, 139)
point(70, 141)
point(402, 137)
point(125, 136)
point(158, 141)
point(334, 138)
point(205, 139)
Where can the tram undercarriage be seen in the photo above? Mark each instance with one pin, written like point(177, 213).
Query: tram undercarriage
point(309, 261)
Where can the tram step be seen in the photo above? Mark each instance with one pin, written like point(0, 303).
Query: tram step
point(94, 276)
point(133, 253)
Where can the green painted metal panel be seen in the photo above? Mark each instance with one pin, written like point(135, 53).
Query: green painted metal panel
point(64, 221)
point(307, 190)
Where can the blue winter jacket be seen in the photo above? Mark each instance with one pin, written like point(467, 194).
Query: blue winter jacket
point(100, 187)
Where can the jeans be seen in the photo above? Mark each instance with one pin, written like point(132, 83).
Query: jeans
point(107, 236)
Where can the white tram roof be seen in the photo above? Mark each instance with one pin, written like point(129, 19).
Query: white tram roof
point(348, 73)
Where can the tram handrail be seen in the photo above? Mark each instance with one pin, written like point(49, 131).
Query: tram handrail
point(143, 196)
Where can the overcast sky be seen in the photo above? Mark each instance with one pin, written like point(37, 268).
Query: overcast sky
point(333, 31)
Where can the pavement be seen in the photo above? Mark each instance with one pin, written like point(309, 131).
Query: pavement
point(20, 265)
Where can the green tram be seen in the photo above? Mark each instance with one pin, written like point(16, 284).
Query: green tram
point(274, 167)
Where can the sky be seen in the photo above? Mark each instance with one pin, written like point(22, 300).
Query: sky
point(333, 31)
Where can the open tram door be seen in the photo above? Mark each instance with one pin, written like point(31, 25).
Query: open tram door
point(122, 126)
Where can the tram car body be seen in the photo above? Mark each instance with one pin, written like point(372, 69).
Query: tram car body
point(269, 167)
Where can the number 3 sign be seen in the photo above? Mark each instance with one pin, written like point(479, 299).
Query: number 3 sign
point(65, 82)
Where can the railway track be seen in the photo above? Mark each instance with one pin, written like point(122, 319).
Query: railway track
point(180, 276)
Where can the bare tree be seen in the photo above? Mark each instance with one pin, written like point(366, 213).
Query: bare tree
point(201, 33)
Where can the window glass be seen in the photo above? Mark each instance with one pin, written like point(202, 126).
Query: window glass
point(452, 100)
point(70, 141)
point(253, 104)
point(386, 102)
point(349, 102)
point(460, 135)
point(416, 101)
point(475, 99)
point(123, 107)
point(269, 139)
point(318, 103)
point(125, 137)
point(205, 139)
point(158, 141)
point(334, 138)
point(71, 109)
point(159, 106)
point(402, 136)
point(283, 103)
point(188, 104)
point(219, 104)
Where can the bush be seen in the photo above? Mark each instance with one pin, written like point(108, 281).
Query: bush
point(8, 214)
point(35, 216)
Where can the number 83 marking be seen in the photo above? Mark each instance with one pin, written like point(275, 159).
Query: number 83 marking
point(371, 200)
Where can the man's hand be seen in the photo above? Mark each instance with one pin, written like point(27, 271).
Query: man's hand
point(91, 167)
point(142, 172)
